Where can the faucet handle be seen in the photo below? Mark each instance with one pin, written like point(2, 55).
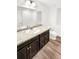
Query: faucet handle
point(28, 27)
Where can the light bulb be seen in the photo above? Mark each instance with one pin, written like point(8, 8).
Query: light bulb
point(28, 3)
point(33, 4)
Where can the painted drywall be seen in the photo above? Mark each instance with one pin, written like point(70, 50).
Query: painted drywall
point(50, 16)
point(19, 17)
point(20, 2)
point(58, 3)
point(58, 17)
point(55, 19)
point(58, 21)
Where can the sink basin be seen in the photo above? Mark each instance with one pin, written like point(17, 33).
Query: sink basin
point(22, 27)
point(28, 31)
point(36, 30)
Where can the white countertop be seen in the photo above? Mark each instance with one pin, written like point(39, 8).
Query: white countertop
point(25, 35)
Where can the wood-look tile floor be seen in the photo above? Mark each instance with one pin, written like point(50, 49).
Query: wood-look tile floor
point(52, 50)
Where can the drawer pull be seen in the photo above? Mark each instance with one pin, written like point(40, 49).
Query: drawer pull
point(28, 48)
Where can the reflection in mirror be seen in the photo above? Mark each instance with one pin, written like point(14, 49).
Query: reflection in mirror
point(27, 18)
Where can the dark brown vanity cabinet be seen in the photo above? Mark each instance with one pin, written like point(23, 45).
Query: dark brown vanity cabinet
point(44, 38)
point(34, 48)
point(29, 48)
point(23, 53)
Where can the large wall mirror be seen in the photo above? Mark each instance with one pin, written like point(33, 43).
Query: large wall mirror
point(27, 17)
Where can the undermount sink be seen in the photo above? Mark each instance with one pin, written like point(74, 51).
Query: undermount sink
point(36, 30)
point(28, 31)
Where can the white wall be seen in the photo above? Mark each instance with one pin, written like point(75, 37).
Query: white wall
point(20, 2)
point(19, 17)
point(51, 16)
point(58, 21)
point(58, 3)
point(55, 19)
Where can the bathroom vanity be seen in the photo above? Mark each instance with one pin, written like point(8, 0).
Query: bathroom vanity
point(29, 45)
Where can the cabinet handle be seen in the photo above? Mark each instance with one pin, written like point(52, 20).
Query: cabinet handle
point(27, 48)
point(30, 47)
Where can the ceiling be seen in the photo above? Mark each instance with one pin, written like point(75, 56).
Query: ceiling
point(48, 2)
point(51, 2)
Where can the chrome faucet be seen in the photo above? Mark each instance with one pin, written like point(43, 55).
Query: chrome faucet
point(28, 27)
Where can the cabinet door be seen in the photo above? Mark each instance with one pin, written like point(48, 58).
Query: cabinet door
point(21, 54)
point(27, 52)
point(34, 47)
point(42, 41)
point(46, 38)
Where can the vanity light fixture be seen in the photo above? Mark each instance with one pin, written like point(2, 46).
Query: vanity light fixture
point(33, 4)
point(30, 4)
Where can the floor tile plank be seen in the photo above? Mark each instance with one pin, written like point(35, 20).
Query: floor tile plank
point(52, 50)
